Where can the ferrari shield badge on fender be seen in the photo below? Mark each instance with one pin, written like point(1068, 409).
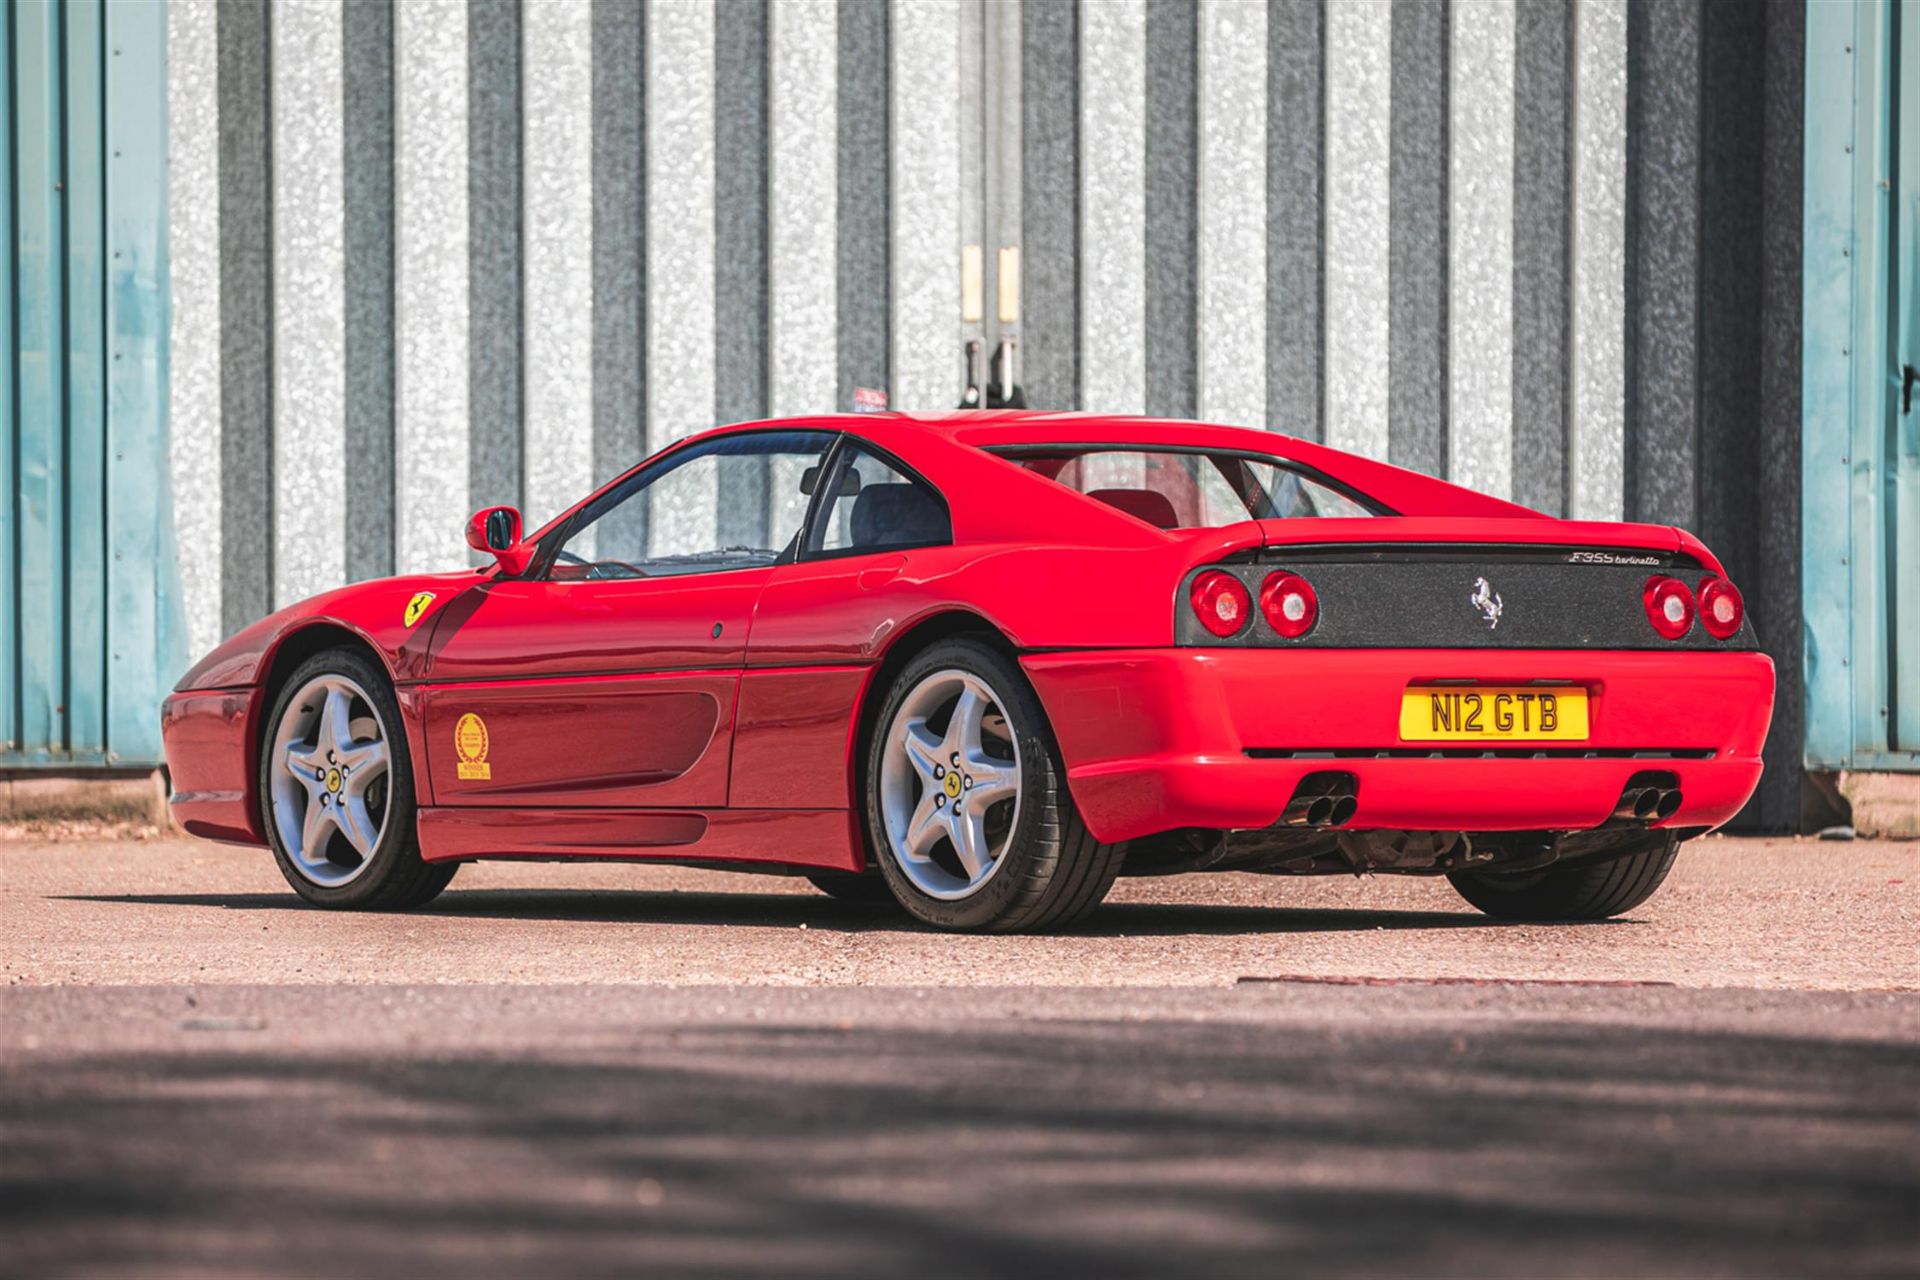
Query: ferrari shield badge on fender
point(417, 606)
point(470, 747)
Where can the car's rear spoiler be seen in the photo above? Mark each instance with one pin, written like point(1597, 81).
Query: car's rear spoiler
point(1444, 531)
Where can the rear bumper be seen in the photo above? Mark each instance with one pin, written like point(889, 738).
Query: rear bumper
point(1156, 739)
point(207, 734)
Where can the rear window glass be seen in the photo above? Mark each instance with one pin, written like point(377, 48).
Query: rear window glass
point(1185, 489)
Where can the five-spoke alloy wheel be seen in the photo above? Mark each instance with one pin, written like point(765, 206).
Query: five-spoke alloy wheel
point(967, 804)
point(336, 789)
point(950, 791)
point(330, 793)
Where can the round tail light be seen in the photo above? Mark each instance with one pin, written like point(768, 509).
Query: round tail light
point(1221, 602)
point(1669, 606)
point(1721, 608)
point(1289, 604)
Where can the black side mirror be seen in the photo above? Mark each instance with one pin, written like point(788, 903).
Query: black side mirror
point(502, 528)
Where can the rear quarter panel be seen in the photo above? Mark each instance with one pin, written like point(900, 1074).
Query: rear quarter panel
point(849, 611)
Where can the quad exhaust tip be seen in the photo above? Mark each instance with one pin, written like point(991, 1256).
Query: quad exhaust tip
point(1323, 799)
point(1652, 796)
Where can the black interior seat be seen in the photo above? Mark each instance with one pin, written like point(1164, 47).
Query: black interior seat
point(897, 515)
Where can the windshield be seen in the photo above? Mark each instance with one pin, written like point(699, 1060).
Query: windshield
point(733, 502)
point(1189, 488)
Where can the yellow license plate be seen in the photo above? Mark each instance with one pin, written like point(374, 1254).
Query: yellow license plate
point(1482, 713)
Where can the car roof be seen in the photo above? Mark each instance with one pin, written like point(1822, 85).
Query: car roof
point(1401, 490)
point(987, 428)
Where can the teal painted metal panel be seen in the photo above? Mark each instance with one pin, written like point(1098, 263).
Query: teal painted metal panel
point(1903, 470)
point(86, 425)
point(40, 353)
point(147, 650)
point(1872, 157)
point(9, 579)
point(1827, 385)
point(90, 632)
point(1860, 447)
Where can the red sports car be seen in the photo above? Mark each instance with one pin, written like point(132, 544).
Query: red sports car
point(985, 663)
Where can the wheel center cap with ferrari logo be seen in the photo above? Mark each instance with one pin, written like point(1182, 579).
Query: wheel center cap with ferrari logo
point(952, 786)
point(333, 780)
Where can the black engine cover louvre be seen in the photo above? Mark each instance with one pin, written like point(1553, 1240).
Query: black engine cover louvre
point(1464, 598)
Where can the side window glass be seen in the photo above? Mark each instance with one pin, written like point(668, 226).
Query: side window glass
point(875, 505)
point(732, 503)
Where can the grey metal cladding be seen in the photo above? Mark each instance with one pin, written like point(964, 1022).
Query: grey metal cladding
point(246, 314)
point(1542, 301)
point(367, 183)
point(1296, 239)
point(496, 293)
point(619, 240)
point(1172, 181)
point(740, 210)
point(1050, 203)
point(1417, 238)
point(1663, 259)
point(860, 347)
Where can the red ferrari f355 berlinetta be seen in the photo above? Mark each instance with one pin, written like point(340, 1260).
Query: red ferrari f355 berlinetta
point(983, 664)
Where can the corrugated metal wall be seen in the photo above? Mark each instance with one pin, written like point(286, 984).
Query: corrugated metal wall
point(1862, 436)
point(454, 252)
point(89, 627)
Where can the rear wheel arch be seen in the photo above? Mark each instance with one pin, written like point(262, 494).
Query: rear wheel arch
point(922, 635)
point(1042, 869)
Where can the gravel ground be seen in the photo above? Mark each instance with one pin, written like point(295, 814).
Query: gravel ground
point(1734, 913)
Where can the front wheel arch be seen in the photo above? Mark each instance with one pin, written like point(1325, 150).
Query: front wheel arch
point(397, 878)
point(291, 651)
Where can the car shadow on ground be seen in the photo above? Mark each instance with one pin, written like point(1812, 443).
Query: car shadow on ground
point(1101, 1145)
point(780, 910)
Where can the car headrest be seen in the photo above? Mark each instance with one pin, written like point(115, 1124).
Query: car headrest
point(897, 515)
point(1142, 504)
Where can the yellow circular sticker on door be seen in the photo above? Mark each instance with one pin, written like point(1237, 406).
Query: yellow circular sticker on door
point(470, 745)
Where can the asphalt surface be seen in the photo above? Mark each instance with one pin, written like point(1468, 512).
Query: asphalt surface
point(615, 1069)
point(1746, 913)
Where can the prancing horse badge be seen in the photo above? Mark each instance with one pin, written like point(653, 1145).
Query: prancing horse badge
point(1487, 601)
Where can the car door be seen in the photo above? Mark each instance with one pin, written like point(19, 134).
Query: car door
point(819, 623)
point(607, 675)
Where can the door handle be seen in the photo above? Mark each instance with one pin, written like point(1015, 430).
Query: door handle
point(880, 575)
point(1908, 376)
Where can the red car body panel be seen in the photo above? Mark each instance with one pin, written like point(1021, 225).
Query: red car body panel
point(822, 838)
point(1158, 738)
point(647, 738)
point(210, 736)
point(793, 738)
point(716, 717)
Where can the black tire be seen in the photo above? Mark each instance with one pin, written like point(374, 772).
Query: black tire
point(1592, 892)
point(866, 887)
point(396, 879)
point(1052, 872)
